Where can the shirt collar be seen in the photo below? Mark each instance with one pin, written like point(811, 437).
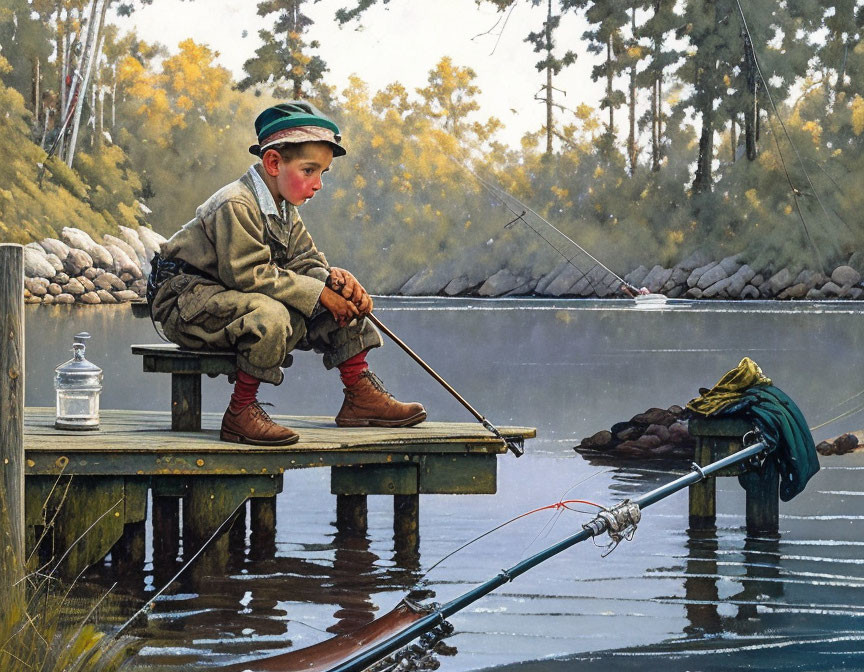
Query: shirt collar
point(263, 195)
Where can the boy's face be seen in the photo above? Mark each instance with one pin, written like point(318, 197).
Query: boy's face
point(297, 180)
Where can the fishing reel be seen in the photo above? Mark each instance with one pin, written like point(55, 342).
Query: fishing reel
point(619, 523)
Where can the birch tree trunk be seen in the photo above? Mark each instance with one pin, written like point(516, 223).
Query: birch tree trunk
point(98, 7)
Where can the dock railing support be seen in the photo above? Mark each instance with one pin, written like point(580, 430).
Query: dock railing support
point(12, 417)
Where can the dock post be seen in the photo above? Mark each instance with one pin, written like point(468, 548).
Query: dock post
point(703, 495)
point(12, 414)
point(166, 533)
point(763, 501)
point(351, 514)
point(129, 553)
point(237, 538)
point(262, 524)
point(406, 523)
point(185, 402)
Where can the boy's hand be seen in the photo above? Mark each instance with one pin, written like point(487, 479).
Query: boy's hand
point(343, 311)
point(344, 283)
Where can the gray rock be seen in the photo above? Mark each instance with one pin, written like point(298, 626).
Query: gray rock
point(798, 291)
point(739, 280)
point(677, 279)
point(656, 278)
point(660, 431)
point(105, 297)
point(695, 260)
point(856, 261)
point(86, 283)
point(500, 283)
point(134, 241)
point(597, 282)
point(61, 278)
point(524, 289)
point(693, 293)
point(122, 263)
point(54, 289)
point(56, 247)
point(731, 264)
point(765, 290)
point(457, 286)
point(780, 281)
point(90, 298)
point(636, 277)
point(696, 273)
point(82, 240)
point(54, 260)
point(601, 438)
point(715, 290)
point(845, 276)
point(855, 293)
point(815, 294)
point(712, 276)
point(93, 273)
point(547, 279)
point(675, 292)
point(562, 283)
point(757, 279)
point(36, 265)
point(749, 292)
point(128, 250)
point(109, 281)
point(74, 287)
point(125, 295)
point(64, 298)
point(77, 261)
point(427, 282)
point(35, 287)
point(831, 289)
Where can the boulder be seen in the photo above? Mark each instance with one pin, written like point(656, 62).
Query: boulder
point(845, 444)
point(93, 273)
point(647, 442)
point(718, 288)
point(130, 252)
point(427, 282)
point(130, 236)
point(81, 240)
point(845, 276)
point(830, 289)
point(780, 281)
point(695, 260)
point(105, 297)
point(139, 287)
point(656, 278)
point(457, 286)
point(61, 278)
point(54, 260)
point(86, 283)
point(122, 262)
point(90, 298)
point(546, 280)
point(798, 291)
point(601, 438)
point(678, 279)
point(654, 416)
point(48, 299)
point(757, 279)
point(33, 299)
point(64, 298)
point(525, 289)
point(731, 264)
point(126, 278)
point(660, 431)
point(152, 242)
point(54, 289)
point(36, 265)
point(739, 280)
point(562, 282)
point(675, 292)
point(500, 283)
point(697, 273)
point(693, 293)
point(109, 281)
point(636, 277)
point(855, 293)
point(711, 276)
point(55, 247)
point(74, 287)
point(815, 294)
point(77, 261)
point(125, 295)
point(35, 287)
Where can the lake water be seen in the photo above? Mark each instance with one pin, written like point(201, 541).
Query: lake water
point(569, 368)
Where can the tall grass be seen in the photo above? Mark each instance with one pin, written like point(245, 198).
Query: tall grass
point(38, 631)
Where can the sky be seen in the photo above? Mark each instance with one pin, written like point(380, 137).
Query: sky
point(400, 41)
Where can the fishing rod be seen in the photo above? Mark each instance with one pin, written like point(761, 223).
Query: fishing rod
point(619, 522)
point(514, 444)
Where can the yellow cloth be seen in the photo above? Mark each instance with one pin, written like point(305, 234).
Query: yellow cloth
point(729, 388)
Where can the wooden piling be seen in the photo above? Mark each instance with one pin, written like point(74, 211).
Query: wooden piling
point(351, 514)
point(262, 524)
point(406, 523)
point(12, 415)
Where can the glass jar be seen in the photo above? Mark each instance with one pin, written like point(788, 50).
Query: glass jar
point(78, 384)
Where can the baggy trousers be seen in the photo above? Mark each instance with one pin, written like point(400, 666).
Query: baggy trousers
point(200, 314)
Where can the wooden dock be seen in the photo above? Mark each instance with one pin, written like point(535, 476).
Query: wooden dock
point(98, 481)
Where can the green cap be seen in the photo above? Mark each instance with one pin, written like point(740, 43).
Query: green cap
point(295, 121)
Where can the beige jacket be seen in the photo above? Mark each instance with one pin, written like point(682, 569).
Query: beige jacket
point(240, 238)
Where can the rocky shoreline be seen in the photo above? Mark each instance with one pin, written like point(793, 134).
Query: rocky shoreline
point(79, 270)
point(696, 277)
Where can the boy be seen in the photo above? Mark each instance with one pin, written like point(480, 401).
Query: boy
point(244, 275)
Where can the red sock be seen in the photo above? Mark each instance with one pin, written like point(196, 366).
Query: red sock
point(245, 391)
point(350, 369)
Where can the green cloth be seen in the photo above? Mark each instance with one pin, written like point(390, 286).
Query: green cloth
point(785, 430)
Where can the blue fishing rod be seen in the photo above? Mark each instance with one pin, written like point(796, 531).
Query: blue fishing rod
point(619, 522)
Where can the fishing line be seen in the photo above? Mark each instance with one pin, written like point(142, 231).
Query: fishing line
point(788, 138)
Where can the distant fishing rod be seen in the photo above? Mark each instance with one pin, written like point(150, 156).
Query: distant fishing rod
point(503, 197)
point(619, 522)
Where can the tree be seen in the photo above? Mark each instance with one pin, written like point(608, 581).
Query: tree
point(283, 62)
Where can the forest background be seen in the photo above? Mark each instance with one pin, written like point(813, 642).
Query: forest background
point(706, 135)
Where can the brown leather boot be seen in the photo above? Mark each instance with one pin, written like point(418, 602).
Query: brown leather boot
point(368, 404)
point(252, 425)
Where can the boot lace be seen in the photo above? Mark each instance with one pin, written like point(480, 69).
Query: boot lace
point(376, 382)
point(260, 411)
